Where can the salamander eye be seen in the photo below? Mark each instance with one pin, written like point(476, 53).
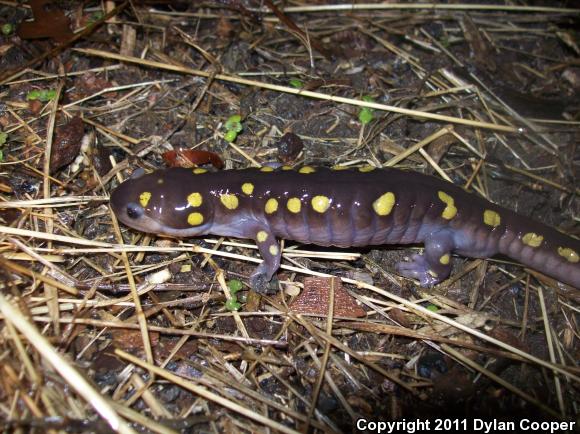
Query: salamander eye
point(134, 211)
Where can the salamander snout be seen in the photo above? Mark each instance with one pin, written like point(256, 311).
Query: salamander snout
point(126, 210)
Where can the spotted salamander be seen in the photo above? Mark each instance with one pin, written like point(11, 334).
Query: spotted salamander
point(330, 207)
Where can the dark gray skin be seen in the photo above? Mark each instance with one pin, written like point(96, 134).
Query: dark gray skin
point(344, 208)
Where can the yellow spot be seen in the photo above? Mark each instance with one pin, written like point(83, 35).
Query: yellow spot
point(160, 181)
point(266, 169)
point(273, 250)
point(230, 201)
point(532, 239)
point(432, 273)
point(569, 254)
point(271, 206)
point(384, 204)
point(195, 219)
point(339, 167)
point(491, 218)
point(199, 171)
point(248, 188)
point(262, 236)
point(195, 199)
point(144, 198)
point(444, 259)
point(320, 203)
point(294, 205)
point(286, 167)
point(450, 210)
point(366, 168)
point(307, 169)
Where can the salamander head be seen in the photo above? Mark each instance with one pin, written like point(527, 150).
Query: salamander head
point(160, 203)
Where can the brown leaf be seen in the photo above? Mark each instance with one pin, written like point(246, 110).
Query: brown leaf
point(132, 339)
point(100, 159)
point(49, 22)
point(316, 295)
point(481, 51)
point(35, 106)
point(192, 157)
point(289, 147)
point(67, 144)
point(400, 317)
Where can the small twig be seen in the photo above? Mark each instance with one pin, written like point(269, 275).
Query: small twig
point(291, 90)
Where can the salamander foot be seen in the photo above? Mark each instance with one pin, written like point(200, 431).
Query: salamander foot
point(418, 268)
point(262, 285)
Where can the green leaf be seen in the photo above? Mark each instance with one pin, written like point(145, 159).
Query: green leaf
point(235, 285)
point(233, 304)
point(7, 29)
point(365, 116)
point(230, 136)
point(234, 123)
point(33, 95)
point(46, 95)
point(50, 94)
point(432, 308)
point(42, 95)
point(3, 138)
point(297, 83)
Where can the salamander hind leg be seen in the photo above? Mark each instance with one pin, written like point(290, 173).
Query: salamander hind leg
point(261, 279)
point(434, 265)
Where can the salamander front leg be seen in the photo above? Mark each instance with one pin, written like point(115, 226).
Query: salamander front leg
point(434, 265)
point(261, 279)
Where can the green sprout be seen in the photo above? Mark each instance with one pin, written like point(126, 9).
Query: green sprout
point(32, 95)
point(233, 304)
point(230, 136)
point(365, 115)
point(432, 308)
point(47, 95)
point(235, 285)
point(234, 123)
point(297, 83)
point(7, 29)
point(43, 95)
point(233, 126)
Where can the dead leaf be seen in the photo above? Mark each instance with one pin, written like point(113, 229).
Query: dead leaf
point(315, 297)
point(49, 22)
point(67, 144)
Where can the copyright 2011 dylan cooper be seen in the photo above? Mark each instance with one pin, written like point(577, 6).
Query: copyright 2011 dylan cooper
point(472, 425)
